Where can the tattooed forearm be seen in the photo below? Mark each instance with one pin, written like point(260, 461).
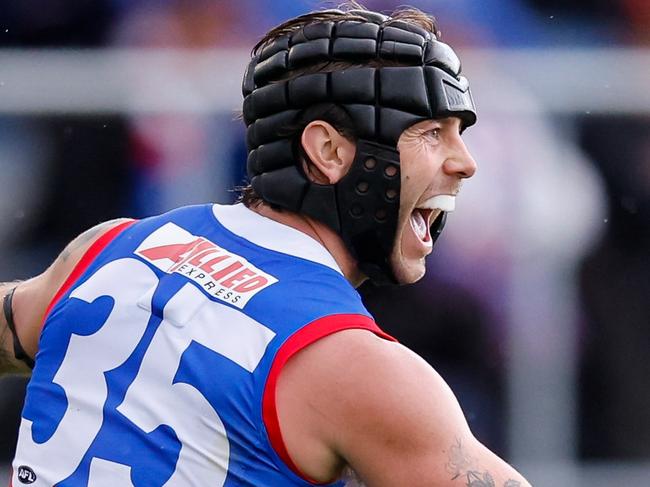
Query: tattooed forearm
point(463, 466)
point(477, 479)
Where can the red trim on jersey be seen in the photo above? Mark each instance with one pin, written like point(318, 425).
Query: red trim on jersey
point(93, 251)
point(302, 338)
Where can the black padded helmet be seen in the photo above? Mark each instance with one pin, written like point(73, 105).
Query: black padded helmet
point(399, 74)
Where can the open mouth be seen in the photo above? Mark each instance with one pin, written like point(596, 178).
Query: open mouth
point(426, 213)
point(420, 223)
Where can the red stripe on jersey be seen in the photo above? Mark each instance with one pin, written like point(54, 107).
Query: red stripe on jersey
point(93, 251)
point(302, 338)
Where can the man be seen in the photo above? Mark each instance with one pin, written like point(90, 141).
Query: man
point(226, 345)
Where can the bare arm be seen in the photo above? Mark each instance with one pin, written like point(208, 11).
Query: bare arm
point(32, 297)
point(381, 409)
point(7, 361)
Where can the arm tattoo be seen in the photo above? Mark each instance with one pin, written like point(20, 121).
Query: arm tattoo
point(462, 465)
point(459, 461)
point(84, 238)
point(79, 241)
point(476, 479)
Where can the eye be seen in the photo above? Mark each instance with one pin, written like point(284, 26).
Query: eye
point(433, 134)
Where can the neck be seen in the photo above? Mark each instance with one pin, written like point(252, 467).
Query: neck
point(322, 234)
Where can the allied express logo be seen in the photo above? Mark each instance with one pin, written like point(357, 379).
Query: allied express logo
point(222, 274)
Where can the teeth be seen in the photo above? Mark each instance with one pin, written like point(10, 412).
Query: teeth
point(444, 202)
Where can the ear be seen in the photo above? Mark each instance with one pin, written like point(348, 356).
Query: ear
point(330, 154)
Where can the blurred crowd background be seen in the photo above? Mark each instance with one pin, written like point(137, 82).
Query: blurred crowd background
point(536, 306)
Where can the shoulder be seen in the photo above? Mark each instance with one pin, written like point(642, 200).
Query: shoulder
point(33, 297)
point(370, 378)
point(363, 392)
point(376, 406)
point(77, 248)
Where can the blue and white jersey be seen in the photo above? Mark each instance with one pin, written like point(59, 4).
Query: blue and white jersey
point(159, 356)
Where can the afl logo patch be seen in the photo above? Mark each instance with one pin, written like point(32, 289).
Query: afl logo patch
point(26, 475)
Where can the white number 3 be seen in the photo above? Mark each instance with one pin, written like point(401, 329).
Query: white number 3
point(152, 399)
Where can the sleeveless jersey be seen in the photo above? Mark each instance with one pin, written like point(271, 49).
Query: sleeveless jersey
point(159, 356)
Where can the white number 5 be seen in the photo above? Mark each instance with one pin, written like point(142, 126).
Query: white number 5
point(152, 399)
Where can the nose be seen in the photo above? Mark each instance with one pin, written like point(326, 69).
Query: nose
point(460, 162)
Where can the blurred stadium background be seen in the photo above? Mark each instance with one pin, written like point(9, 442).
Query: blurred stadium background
point(536, 306)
